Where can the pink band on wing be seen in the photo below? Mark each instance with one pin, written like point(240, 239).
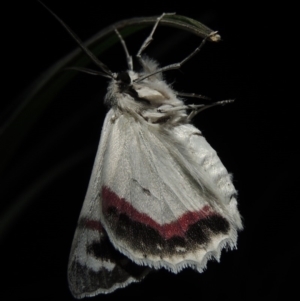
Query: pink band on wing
point(91, 224)
point(175, 228)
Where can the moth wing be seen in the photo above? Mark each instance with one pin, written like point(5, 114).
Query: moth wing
point(204, 155)
point(160, 207)
point(95, 266)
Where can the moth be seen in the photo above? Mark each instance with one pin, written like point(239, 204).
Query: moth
point(158, 196)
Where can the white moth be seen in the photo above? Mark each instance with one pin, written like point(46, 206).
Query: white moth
point(159, 196)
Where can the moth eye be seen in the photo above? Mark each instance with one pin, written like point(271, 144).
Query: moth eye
point(124, 77)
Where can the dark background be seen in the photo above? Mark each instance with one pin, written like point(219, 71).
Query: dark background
point(44, 183)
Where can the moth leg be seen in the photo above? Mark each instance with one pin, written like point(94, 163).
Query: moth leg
point(178, 65)
point(149, 39)
point(128, 56)
point(193, 95)
point(204, 107)
point(195, 109)
point(168, 109)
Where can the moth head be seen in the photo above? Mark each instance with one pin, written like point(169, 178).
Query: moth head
point(123, 79)
point(119, 85)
